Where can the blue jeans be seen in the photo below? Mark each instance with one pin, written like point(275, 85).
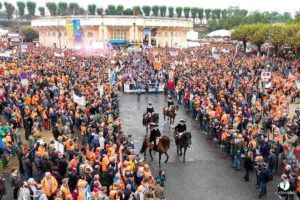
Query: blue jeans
point(1, 194)
point(156, 94)
point(146, 94)
point(237, 163)
point(262, 189)
point(138, 96)
point(28, 174)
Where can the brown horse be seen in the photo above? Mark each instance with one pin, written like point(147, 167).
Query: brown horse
point(184, 142)
point(147, 120)
point(171, 113)
point(162, 147)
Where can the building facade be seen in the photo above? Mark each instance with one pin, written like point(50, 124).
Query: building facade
point(155, 31)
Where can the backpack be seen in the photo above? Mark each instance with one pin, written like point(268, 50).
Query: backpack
point(269, 175)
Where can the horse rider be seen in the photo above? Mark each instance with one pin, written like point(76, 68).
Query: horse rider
point(150, 109)
point(154, 135)
point(180, 129)
point(170, 102)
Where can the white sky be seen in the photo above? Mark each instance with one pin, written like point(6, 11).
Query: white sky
point(251, 5)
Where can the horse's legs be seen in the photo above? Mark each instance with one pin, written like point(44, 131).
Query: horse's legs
point(145, 155)
point(159, 158)
point(177, 149)
point(184, 154)
point(150, 152)
point(180, 151)
point(167, 157)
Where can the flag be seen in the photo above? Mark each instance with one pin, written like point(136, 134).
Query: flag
point(4, 65)
point(112, 79)
point(134, 12)
point(102, 14)
point(87, 194)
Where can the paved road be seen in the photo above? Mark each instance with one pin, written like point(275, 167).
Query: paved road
point(207, 173)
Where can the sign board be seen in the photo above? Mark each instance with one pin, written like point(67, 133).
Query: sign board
point(266, 75)
point(172, 65)
point(147, 46)
point(58, 54)
point(173, 53)
point(24, 82)
point(23, 75)
point(58, 146)
point(79, 100)
point(157, 65)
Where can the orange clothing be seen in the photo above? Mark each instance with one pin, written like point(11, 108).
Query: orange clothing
point(65, 190)
point(46, 186)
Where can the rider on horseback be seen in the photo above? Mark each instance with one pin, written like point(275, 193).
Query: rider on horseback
point(180, 129)
point(170, 103)
point(154, 135)
point(150, 109)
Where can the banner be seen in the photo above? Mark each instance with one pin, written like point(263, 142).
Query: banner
point(153, 36)
point(79, 100)
point(173, 53)
point(131, 88)
point(69, 29)
point(216, 56)
point(112, 79)
point(59, 54)
point(77, 30)
point(146, 36)
point(157, 65)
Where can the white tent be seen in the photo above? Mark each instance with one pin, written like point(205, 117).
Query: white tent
point(3, 31)
point(192, 35)
point(219, 33)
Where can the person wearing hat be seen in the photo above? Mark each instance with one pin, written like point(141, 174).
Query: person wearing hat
point(150, 109)
point(155, 133)
point(170, 102)
point(180, 129)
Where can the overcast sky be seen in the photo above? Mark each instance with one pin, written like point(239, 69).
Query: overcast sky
point(262, 5)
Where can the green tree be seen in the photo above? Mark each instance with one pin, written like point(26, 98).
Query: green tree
point(163, 11)
point(81, 11)
point(29, 33)
point(200, 14)
point(186, 11)
point(291, 31)
point(278, 36)
point(62, 9)
point(111, 10)
point(9, 9)
point(73, 8)
point(31, 8)
point(0, 5)
point(99, 11)
point(155, 10)
point(21, 8)
point(213, 14)
point(146, 10)
point(287, 16)
point(218, 13)
point(207, 14)
point(297, 18)
point(258, 34)
point(138, 10)
point(171, 11)
point(179, 11)
point(128, 12)
point(194, 12)
point(120, 9)
point(241, 33)
point(224, 14)
point(42, 11)
point(52, 8)
point(92, 9)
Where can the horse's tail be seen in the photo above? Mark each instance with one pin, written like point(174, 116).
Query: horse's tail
point(168, 142)
point(144, 147)
point(144, 120)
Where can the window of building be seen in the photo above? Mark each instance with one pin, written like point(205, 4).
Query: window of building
point(49, 33)
point(89, 34)
point(118, 35)
point(53, 34)
point(166, 34)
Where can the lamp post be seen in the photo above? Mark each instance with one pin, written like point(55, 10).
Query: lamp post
point(59, 36)
point(20, 40)
point(269, 39)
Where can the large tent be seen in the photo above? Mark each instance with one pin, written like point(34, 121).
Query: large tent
point(219, 33)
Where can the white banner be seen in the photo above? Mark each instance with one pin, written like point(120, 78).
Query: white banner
point(173, 53)
point(58, 146)
point(79, 100)
point(58, 54)
point(266, 75)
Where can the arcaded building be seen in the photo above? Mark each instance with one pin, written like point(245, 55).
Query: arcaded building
point(84, 30)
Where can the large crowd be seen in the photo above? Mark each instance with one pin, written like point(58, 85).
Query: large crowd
point(88, 155)
point(248, 116)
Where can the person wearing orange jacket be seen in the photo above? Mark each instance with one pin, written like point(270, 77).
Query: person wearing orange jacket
point(65, 187)
point(49, 185)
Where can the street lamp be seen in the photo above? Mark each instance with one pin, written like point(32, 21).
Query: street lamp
point(59, 36)
point(20, 39)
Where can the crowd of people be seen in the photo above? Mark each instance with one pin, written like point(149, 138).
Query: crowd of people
point(74, 146)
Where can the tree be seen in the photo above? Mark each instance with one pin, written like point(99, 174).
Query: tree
point(287, 16)
point(278, 36)
point(31, 8)
point(62, 8)
point(42, 11)
point(291, 31)
point(92, 9)
point(186, 11)
point(218, 13)
point(155, 10)
point(163, 11)
point(213, 14)
point(137, 10)
point(207, 14)
point(111, 10)
point(99, 11)
point(81, 11)
point(146, 10)
point(21, 8)
point(171, 11)
point(73, 8)
point(28, 33)
point(241, 33)
point(224, 14)
point(9, 9)
point(120, 9)
point(194, 12)
point(52, 8)
point(258, 34)
point(178, 11)
point(200, 14)
point(0, 5)
point(128, 12)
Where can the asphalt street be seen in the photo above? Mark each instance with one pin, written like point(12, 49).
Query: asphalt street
point(207, 173)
